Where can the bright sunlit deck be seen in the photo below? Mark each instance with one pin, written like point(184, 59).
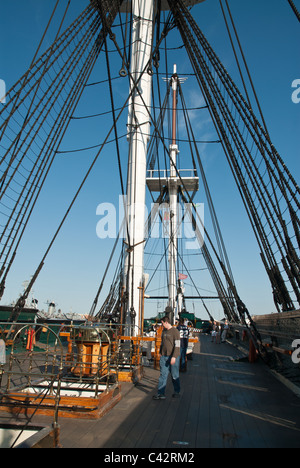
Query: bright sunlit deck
point(225, 402)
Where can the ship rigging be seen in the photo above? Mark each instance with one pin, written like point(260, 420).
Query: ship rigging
point(42, 104)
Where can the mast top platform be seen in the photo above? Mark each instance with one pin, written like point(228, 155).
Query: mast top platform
point(164, 4)
point(158, 179)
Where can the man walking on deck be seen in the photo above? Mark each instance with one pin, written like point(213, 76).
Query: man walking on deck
point(170, 359)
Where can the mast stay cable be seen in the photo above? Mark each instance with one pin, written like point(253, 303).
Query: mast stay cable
point(111, 11)
point(35, 155)
point(228, 306)
point(272, 200)
point(293, 6)
point(256, 165)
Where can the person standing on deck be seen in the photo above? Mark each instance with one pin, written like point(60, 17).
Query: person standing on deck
point(184, 338)
point(218, 333)
point(214, 332)
point(225, 331)
point(169, 360)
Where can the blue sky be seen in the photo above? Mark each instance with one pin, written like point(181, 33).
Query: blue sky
point(270, 36)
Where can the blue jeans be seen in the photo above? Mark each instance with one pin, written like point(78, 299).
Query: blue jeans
point(183, 357)
point(165, 369)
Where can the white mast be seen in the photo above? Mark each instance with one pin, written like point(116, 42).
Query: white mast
point(173, 182)
point(173, 191)
point(139, 130)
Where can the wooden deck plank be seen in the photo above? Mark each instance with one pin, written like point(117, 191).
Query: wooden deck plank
point(224, 403)
point(237, 392)
point(189, 429)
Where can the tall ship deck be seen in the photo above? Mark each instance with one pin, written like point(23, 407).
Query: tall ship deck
point(142, 183)
point(226, 402)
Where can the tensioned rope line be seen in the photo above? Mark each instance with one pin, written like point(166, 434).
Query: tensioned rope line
point(255, 162)
point(33, 60)
point(258, 198)
point(216, 226)
point(112, 11)
point(24, 209)
point(279, 214)
point(294, 8)
point(27, 135)
point(213, 271)
point(228, 306)
point(22, 189)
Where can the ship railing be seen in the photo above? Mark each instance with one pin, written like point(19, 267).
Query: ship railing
point(127, 347)
point(58, 355)
point(25, 361)
point(89, 356)
point(23, 370)
point(130, 346)
point(166, 173)
point(278, 332)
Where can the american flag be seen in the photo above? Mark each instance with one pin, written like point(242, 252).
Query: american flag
point(181, 276)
